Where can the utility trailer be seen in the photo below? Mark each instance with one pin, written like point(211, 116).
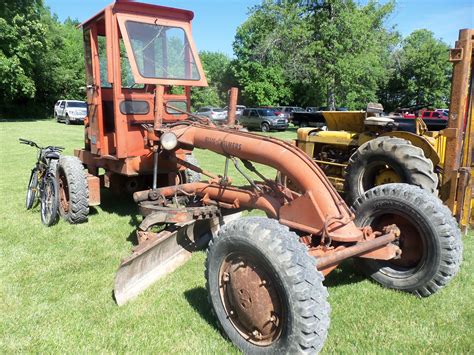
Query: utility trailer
point(264, 274)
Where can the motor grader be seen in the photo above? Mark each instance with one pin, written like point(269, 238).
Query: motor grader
point(361, 149)
point(264, 275)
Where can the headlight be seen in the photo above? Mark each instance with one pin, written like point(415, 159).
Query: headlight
point(169, 141)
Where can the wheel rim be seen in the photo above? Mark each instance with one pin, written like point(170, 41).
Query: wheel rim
point(63, 192)
point(387, 176)
point(251, 298)
point(377, 172)
point(412, 242)
point(265, 127)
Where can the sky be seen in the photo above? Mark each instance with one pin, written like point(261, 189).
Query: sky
point(215, 21)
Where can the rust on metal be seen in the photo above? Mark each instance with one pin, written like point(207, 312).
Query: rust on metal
point(334, 258)
point(461, 57)
point(251, 298)
point(233, 94)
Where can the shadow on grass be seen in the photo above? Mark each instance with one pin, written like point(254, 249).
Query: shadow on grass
point(345, 274)
point(197, 298)
point(122, 205)
point(3, 119)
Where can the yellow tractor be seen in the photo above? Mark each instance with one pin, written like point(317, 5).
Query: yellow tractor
point(361, 149)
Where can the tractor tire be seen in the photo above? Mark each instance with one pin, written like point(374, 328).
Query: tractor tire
point(73, 190)
point(430, 239)
point(406, 162)
point(265, 289)
point(191, 175)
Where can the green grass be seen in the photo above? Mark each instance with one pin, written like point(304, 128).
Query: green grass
point(56, 283)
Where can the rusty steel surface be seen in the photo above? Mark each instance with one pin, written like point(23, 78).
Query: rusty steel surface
point(335, 257)
point(251, 298)
point(319, 209)
point(233, 94)
point(93, 185)
point(461, 57)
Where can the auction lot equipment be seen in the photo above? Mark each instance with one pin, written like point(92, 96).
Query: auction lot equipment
point(360, 150)
point(264, 275)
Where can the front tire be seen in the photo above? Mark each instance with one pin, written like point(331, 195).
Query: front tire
point(67, 120)
point(430, 239)
point(388, 160)
point(73, 190)
point(32, 189)
point(265, 127)
point(265, 289)
point(49, 201)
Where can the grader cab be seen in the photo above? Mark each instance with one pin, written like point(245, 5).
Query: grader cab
point(264, 274)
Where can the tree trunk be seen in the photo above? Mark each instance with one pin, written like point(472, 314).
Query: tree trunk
point(331, 98)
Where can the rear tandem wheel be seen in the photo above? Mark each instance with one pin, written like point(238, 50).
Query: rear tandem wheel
point(265, 289)
point(430, 238)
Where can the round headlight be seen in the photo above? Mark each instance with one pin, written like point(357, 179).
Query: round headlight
point(169, 141)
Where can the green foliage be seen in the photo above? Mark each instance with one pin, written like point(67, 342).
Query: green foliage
point(313, 53)
point(41, 60)
point(421, 72)
point(220, 78)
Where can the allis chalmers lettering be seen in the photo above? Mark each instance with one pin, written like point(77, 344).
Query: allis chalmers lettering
point(224, 144)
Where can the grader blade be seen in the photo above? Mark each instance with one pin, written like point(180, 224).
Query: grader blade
point(161, 253)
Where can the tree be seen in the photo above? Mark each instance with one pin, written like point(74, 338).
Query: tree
point(22, 41)
point(41, 59)
point(336, 50)
point(421, 72)
point(220, 78)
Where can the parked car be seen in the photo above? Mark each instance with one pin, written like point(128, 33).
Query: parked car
point(434, 114)
point(238, 110)
point(435, 120)
point(445, 110)
point(70, 111)
point(264, 119)
point(287, 111)
point(217, 115)
point(56, 108)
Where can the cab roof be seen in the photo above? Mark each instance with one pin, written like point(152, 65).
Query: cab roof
point(139, 8)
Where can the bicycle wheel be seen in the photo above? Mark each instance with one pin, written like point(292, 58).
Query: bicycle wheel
point(32, 188)
point(49, 200)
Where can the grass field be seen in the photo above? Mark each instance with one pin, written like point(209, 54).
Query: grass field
point(56, 283)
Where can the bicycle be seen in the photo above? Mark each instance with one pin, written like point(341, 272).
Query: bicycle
point(43, 180)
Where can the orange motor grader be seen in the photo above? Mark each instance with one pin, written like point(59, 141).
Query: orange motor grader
point(264, 274)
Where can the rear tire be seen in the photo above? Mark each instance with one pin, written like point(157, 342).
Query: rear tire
point(430, 239)
point(407, 161)
point(32, 189)
point(265, 289)
point(49, 201)
point(73, 190)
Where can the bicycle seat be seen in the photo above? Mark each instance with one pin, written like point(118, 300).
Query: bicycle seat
point(52, 155)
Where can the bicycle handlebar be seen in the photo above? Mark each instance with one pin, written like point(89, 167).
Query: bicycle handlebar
point(33, 144)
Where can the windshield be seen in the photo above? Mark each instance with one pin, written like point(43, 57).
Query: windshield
point(267, 112)
point(77, 104)
point(161, 51)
